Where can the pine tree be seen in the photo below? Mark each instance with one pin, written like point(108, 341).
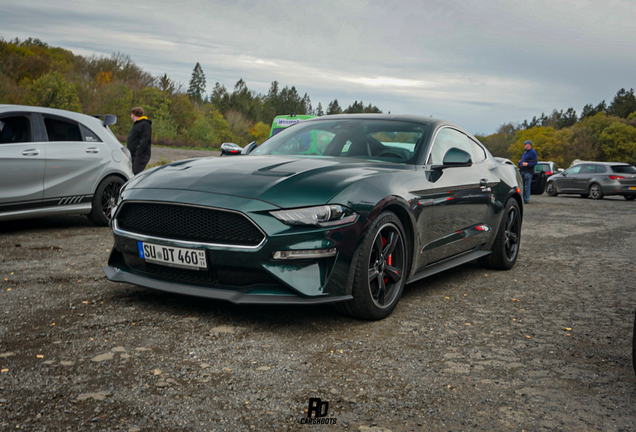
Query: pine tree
point(334, 107)
point(319, 112)
point(196, 89)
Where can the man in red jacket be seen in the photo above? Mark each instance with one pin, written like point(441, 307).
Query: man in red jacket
point(138, 141)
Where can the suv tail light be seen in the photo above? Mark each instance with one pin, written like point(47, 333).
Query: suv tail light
point(615, 177)
point(548, 173)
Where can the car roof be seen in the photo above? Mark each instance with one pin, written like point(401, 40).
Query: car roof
point(434, 123)
point(89, 120)
point(603, 163)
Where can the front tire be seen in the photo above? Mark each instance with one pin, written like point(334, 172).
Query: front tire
point(105, 200)
point(596, 192)
point(380, 273)
point(505, 249)
point(551, 189)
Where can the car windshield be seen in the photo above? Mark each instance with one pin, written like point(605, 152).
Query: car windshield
point(624, 169)
point(385, 140)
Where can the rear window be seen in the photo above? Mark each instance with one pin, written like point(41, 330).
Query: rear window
point(61, 130)
point(624, 169)
point(542, 167)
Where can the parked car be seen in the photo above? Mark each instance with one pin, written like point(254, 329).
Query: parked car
point(56, 162)
point(230, 149)
point(542, 170)
point(388, 200)
point(595, 179)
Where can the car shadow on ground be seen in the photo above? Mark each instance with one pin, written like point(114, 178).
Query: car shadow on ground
point(47, 223)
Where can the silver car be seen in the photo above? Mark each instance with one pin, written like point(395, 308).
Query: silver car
point(595, 179)
point(56, 162)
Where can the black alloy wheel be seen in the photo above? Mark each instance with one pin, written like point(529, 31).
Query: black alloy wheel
point(595, 191)
point(551, 189)
point(380, 275)
point(105, 200)
point(505, 249)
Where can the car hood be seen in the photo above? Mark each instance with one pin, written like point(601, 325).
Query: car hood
point(283, 181)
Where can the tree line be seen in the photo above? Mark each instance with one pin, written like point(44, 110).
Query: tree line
point(603, 132)
point(34, 73)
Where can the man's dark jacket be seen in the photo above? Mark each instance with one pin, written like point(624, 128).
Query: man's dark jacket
point(138, 141)
point(531, 157)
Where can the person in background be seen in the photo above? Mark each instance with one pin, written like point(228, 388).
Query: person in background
point(526, 165)
point(138, 141)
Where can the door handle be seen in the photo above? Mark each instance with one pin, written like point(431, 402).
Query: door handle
point(31, 152)
point(92, 150)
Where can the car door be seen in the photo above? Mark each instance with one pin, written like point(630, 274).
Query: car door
point(567, 183)
point(582, 180)
point(459, 196)
point(75, 159)
point(21, 163)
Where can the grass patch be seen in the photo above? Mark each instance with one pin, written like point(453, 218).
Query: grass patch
point(160, 162)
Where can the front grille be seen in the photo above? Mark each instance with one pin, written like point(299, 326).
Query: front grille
point(181, 222)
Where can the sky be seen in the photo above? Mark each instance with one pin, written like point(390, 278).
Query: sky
point(479, 64)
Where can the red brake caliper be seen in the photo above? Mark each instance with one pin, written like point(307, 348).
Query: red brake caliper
point(389, 259)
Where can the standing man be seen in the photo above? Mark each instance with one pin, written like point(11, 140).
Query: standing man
point(138, 141)
point(526, 165)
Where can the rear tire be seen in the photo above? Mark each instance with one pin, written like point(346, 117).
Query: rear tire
point(105, 200)
point(629, 197)
point(551, 189)
point(505, 249)
point(380, 270)
point(596, 192)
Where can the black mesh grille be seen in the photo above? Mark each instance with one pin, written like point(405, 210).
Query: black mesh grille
point(181, 222)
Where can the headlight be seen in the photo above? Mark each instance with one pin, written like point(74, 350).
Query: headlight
point(324, 216)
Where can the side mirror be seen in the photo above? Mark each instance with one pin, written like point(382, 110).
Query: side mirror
point(560, 170)
point(454, 158)
point(248, 148)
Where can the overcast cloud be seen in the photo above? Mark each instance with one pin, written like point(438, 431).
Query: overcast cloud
point(478, 64)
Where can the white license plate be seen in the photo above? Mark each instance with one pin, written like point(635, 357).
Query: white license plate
point(172, 256)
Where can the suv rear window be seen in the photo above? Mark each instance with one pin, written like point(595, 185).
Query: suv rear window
point(624, 169)
point(542, 167)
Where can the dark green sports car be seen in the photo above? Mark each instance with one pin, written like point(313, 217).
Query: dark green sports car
point(341, 209)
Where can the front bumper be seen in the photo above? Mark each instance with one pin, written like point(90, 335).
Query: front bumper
point(248, 274)
point(231, 294)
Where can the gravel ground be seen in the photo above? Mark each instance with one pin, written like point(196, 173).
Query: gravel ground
point(545, 346)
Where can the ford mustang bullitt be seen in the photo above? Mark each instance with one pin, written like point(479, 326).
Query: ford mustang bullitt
point(342, 209)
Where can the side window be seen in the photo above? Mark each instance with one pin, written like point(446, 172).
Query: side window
point(15, 129)
point(89, 135)
point(588, 169)
point(600, 169)
point(574, 170)
point(447, 139)
point(478, 151)
point(62, 130)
